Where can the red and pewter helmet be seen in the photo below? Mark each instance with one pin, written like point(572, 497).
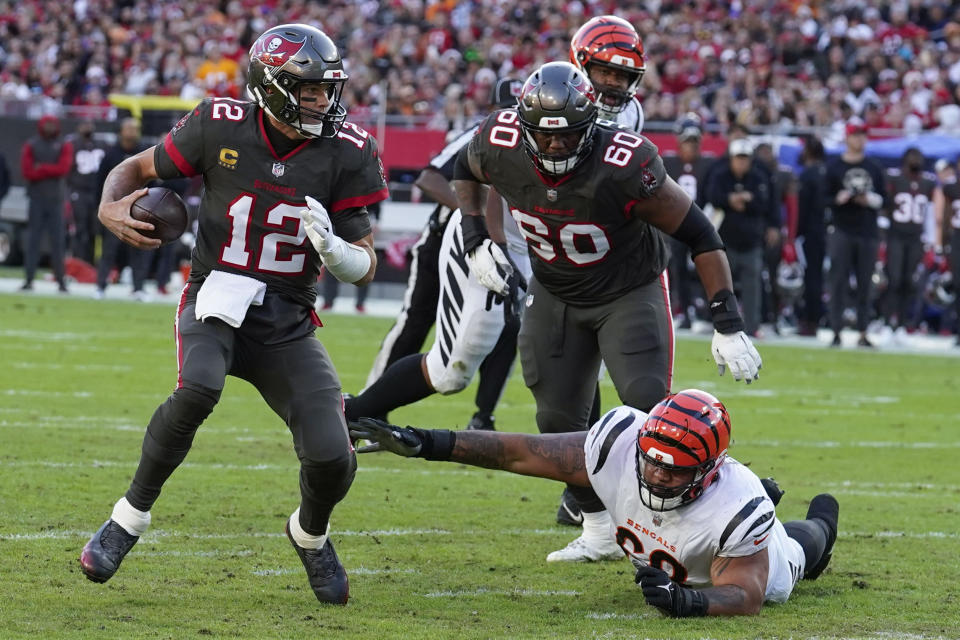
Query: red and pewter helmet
point(281, 61)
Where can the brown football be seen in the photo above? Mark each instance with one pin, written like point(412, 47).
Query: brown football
point(164, 209)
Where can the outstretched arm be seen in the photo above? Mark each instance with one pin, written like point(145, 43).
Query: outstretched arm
point(557, 456)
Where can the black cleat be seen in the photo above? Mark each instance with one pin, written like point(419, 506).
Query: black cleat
point(774, 492)
point(102, 555)
point(569, 512)
point(823, 507)
point(864, 342)
point(326, 575)
point(481, 422)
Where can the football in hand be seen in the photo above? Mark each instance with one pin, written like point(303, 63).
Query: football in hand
point(164, 209)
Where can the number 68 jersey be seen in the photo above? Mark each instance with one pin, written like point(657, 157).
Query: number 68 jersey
point(585, 246)
point(249, 220)
point(733, 518)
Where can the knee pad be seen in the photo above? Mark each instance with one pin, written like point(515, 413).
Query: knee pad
point(552, 421)
point(644, 392)
point(450, 378)
point(176, 420)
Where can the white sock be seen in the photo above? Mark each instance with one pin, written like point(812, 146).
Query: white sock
point(301, 537)
point(133, 521)
point(596, 526)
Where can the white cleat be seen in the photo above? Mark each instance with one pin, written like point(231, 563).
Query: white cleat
point(587, 550)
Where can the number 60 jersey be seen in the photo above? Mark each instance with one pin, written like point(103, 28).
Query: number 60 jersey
point(585, 246)
point(249, 214)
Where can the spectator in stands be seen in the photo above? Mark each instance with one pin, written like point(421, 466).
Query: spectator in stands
point(856, 188)
point(812, 232)
point(45, 161)
point(128, 144)
point(84, 188)
point(742, 192)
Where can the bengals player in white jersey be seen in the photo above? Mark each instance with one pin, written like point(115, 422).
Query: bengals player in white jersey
point(699, 527)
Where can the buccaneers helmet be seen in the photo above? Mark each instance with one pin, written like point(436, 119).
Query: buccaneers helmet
point(557, 98)
point(611, 42)
point(281, 61)
point(687, 431)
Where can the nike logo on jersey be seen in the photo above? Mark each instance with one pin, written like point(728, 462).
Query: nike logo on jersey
point(756, 542)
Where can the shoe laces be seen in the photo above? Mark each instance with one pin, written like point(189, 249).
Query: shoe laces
point(115, 538)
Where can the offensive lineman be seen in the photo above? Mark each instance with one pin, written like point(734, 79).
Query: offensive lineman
point(247, 308)
point(698, 526)
point(589, 198)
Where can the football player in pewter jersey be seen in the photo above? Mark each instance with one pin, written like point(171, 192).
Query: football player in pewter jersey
point(591, 199)
point(287, 183)
point(699, 527)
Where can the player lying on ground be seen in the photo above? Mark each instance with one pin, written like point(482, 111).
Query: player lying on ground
point(698, 525)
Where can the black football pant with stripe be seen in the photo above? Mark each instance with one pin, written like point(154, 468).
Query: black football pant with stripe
point(275, 351)
point(561, 347)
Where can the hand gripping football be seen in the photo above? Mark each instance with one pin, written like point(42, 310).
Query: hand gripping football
point(164, 209)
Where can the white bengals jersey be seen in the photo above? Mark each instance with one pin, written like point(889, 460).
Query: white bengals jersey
point(733, 518)
point(631, 117)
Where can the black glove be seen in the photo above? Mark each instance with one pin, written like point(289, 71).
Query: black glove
point(432, 444)
point(668, 596)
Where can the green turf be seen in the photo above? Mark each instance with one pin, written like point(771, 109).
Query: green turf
point(437, 550)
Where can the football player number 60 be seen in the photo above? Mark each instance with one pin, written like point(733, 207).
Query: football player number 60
point(620, 156)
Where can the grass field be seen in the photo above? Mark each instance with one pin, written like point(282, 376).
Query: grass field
point(437, 550)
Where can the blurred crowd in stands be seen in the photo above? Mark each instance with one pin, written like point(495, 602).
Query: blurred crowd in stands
point(782, 64)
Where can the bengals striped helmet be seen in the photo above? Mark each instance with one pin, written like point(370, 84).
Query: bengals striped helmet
point(686, 433)
point(611, 42)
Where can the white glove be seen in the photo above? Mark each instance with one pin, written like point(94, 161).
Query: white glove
point(345, 261)
point(735, 350)
point(316, 221)
point(490, 267)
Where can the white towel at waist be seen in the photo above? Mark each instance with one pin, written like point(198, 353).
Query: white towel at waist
point(227, 296)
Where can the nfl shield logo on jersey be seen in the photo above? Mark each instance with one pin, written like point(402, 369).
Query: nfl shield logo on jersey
point(552, 195)
point(278, 169)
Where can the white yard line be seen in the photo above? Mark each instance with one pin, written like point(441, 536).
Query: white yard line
point(159, 536)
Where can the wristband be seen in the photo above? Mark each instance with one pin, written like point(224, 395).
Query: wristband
point(437, 444)
point(474, 230)
point(725, 313)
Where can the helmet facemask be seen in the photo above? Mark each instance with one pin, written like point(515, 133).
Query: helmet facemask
point(281, 98)
point(619, 97)
point(663, 498)
point(557, 99)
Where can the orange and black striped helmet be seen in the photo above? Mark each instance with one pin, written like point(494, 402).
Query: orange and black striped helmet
point(686, 433)
point(613, 42)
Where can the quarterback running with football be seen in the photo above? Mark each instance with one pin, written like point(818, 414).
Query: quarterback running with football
point(592, 200)
point(287, 181)
point(699, 527)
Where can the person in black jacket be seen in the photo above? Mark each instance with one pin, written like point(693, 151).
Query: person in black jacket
point(812, 232)
point(742, 192)
point(856, 188)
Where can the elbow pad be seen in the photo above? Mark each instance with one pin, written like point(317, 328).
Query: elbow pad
point(697, 232)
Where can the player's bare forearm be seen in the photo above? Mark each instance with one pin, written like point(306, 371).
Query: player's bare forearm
point(714, 271)
point(557, 456)
point(739, 584)
point(494, 216)
point(432, 183)
point(469, 197)
point(131, 174)
point(730, 600)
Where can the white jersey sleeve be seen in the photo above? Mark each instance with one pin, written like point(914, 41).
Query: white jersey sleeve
point(631, 116)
